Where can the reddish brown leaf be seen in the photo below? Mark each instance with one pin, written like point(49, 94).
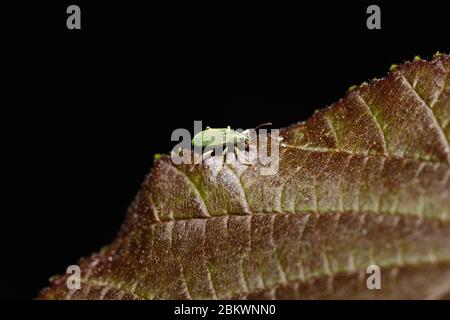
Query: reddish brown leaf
point(365, 181)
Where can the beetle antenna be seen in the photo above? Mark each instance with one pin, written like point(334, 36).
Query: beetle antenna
point(264, 124)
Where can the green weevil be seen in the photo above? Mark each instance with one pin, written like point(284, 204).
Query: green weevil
point(219, 137)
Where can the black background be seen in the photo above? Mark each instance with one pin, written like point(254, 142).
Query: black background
point(83, 111)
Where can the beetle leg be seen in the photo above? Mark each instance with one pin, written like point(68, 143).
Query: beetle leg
point(224, 155)
point(239, 157)
point(204, 156)
point(196, 158)
point(207, 154)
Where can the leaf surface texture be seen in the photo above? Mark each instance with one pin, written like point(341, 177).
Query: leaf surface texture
point(364, 181)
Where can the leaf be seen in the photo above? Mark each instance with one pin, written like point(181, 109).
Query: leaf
point(365, 181)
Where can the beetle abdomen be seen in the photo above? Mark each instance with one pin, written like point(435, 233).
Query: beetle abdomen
point(211, 137)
